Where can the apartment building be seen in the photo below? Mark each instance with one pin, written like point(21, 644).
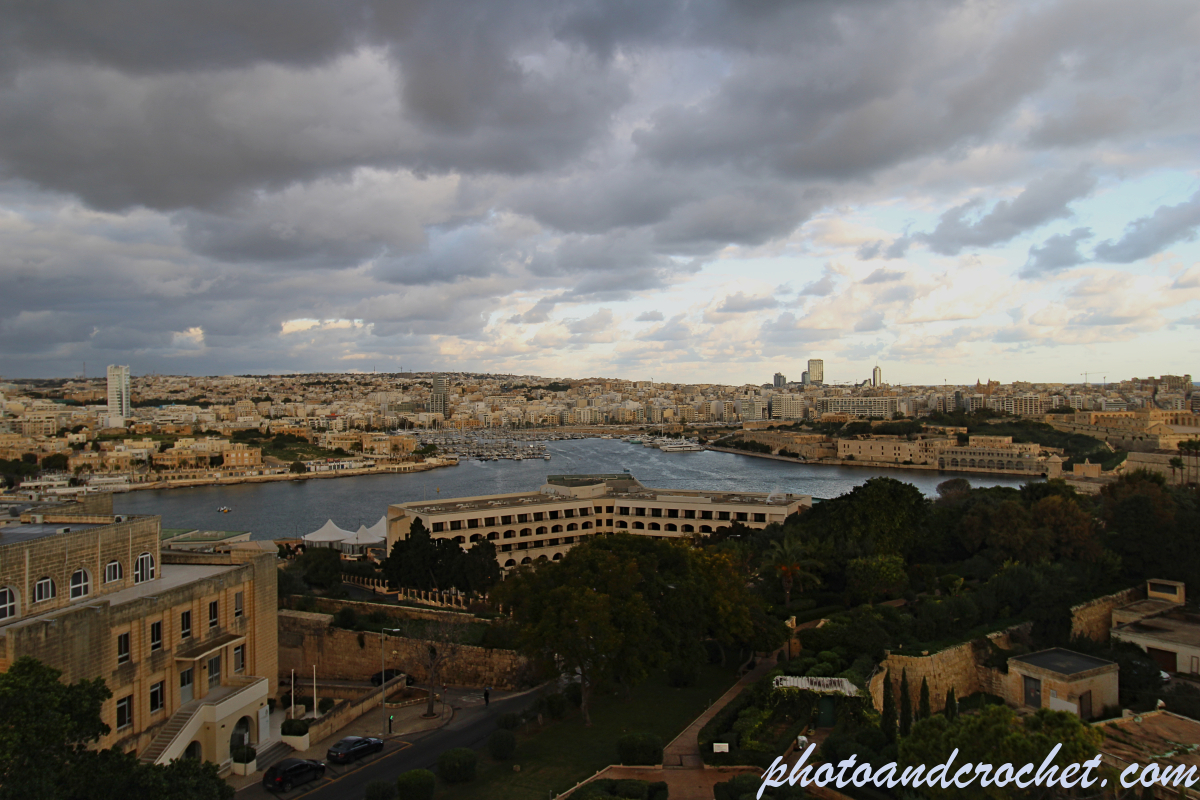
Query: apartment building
point(544, 525)
point(893, 449)
point(885, 407)
point(993, 453)
point(186, 642)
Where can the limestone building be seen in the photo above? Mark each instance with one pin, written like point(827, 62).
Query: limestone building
point(544, 525)
point(185, 641)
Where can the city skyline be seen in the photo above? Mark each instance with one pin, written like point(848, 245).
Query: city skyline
point(951, 191)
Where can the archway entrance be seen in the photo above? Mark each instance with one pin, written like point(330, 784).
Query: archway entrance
point(240, 734)
point(194, 750)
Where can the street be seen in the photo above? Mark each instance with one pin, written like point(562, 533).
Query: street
point(471, 726)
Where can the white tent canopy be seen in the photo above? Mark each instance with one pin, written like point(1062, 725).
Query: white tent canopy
point(373, 535)
point(327, 533)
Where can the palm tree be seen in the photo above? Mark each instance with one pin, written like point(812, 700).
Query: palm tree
point(1176, 463)
point(790, 559)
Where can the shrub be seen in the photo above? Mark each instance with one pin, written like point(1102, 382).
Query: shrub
point(242, 754)
point(631, 789)
point(574, 694)
point(380, 790)
point(640, 749)
point(658, 791)
point(556, 705)
point(416, 784)
point(345, 618)
point(747, 785)
point(294, 727)
point(682, 674)
point(508, 721)
point(457, 765)
point(325, 704)
point(502, 744)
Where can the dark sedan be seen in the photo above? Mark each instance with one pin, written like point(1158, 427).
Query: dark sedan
point(353, 748)
point(291, 772)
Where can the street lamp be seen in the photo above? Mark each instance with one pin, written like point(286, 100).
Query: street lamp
point(383, 678)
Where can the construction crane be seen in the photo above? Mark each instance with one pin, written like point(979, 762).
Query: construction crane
point(1091, 372)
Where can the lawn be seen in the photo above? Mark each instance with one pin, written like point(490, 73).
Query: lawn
point(563, 753)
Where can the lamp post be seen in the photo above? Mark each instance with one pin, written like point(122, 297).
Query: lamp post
point(383, 678)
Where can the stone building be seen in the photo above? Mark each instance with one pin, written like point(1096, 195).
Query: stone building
point(544, 525)
point(1062, 680)
point(186, 642)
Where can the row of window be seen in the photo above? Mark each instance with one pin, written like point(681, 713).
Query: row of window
point(689, 513)
point(81, 584)
point(490, 522)
point(158, 691)
point(124, 651)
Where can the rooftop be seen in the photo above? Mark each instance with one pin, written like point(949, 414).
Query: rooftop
point(1178, 628)
point(1064, 662)
point(1155, 736)
point(184, 535)
point(32, 531)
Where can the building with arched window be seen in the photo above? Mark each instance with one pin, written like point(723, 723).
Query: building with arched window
point(186, 641)
point(570, 508)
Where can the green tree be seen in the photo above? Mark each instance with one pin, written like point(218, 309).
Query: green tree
point(321, 567)
point(951, 709)
point(906, 714)
point(298, 468)
point(887, 720)
point(56, 462)
point(791, 560)
point(480, 569)
point(923, 710)
point(876, 576)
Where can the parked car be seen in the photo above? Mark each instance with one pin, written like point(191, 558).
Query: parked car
point(353, 748)
point(380, 678)
point(291, 772)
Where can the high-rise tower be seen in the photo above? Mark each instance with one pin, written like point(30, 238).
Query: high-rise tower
point(439, 396)
point(119, 402)
point(816, 370)
point(877, 376)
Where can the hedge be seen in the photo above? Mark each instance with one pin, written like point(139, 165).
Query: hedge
point(457, 765)
point(605, 788)
point(508, 721)
point(416, 784)
point(640, 749)
point(380, 790)
point(243, 754)
point(294, 727)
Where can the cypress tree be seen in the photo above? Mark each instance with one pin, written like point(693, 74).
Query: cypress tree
point(888, 721)
point(923, 704)
point(951, 709)
point(906, 717)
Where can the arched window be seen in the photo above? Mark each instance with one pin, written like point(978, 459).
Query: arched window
point(493, 535)
point(510, 534)
point(459, 539)
point(541, 530)
point(706, 529)
point(586, 525)
point(542, 557)
point(475, 537)
point(526, 560)
point(43, 590)
point(557, 556)
point(670, 526)
point(654, 526)
point(526, 532)
point(639, 525)
point(510, 563)
point(8, 603)
point(81, 584)
point(143, 568)
point(113, 572)
point(571, 526)
point(622, 523)
point(556, 529)
point(688, 529)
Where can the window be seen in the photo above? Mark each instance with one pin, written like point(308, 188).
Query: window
point(538, 516)
point(722, 515)
point(608, 509)
point(143, 568)
point(213, 615)
point(158, 697)
point(239, 600)
point(43, 590)
point(456, 524)
point(81, 584)
point(489, 522)
point(239, 658)
point(122, 648)
point(760, 517)
point(8, 603)
point(438, 527)
point(185, 625)
point(214, 670)
point(473, 523)
point(506, 519)
point(124, 712)
point(113, 572)
point(522, 518)
point(156, 635)
point(553, 515)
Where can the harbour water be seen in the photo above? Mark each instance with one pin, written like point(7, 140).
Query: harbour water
point(287, 509)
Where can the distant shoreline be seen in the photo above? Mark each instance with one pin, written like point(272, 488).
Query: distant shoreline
point(880, 465)
point(338, 473)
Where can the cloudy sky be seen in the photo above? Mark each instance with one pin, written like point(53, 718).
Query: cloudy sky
point(685, 191)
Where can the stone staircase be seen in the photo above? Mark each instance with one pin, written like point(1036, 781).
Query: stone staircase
point(169, 731)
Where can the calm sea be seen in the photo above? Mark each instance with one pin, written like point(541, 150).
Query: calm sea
point(287, 509)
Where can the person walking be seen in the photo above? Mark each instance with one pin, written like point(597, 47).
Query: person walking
point(487, 693)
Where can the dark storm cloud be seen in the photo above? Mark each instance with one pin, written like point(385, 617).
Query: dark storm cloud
point(1149, 235)
point(1057, 252)
point(1043, 200)
point(182, 179)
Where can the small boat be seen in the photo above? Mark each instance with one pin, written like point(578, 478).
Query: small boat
point(546, 457)
point(224, 510)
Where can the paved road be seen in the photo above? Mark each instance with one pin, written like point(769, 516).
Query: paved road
point(471, 727)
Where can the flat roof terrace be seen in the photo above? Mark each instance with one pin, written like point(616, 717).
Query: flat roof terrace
point(1063, 662)
point(25, 532)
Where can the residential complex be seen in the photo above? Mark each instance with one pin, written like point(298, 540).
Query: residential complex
point(544, 525)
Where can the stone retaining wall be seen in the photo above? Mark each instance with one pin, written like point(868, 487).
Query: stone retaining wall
point(308, 638)
point(1093, 619)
